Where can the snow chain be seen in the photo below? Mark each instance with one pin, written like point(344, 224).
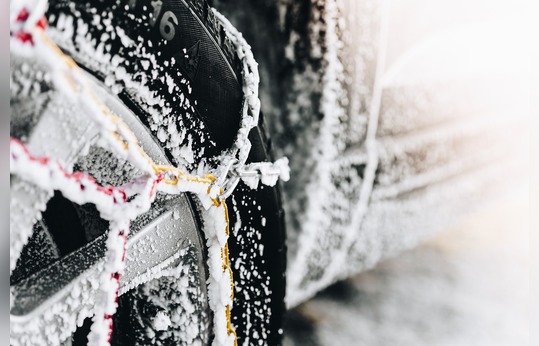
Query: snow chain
point(114, 203)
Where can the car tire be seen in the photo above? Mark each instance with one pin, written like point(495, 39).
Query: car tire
point(189, 53)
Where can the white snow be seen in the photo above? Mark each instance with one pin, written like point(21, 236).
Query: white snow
point(161, 321)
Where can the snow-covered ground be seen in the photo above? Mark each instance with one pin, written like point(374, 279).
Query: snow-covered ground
point(467, 286)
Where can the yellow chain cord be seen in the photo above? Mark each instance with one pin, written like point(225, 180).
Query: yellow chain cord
point(175, 172)
point(226, 266)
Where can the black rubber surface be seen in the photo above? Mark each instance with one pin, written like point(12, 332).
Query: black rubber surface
point(186, 42)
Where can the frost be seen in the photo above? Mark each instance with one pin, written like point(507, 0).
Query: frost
point(162, 321)
point(180, 320)
point(265, 172)
point(120, 204)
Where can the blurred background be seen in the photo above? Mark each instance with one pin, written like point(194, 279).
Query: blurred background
point(406, 123)
point(468, 285)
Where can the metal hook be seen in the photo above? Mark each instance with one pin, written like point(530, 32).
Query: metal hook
point(227, 190)
point(224, 174)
